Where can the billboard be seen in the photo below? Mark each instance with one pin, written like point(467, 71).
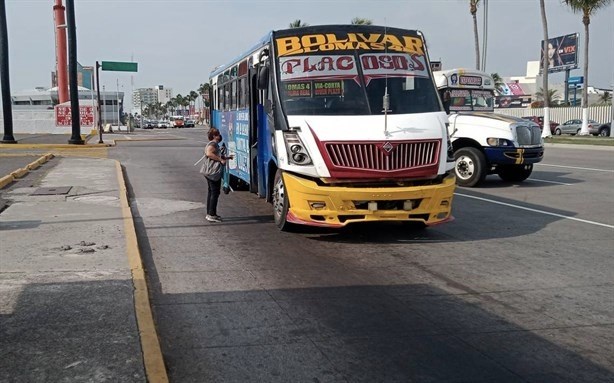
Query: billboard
point(562, 53)
point(63, 115)
point(512, 102)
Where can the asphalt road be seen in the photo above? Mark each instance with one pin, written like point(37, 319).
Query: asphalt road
point(517, 289)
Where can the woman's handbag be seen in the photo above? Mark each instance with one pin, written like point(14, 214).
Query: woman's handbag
point(211, 169)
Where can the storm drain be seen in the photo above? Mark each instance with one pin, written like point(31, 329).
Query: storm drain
point(52, 191)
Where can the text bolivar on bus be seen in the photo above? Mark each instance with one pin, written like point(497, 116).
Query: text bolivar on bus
point(293, 45)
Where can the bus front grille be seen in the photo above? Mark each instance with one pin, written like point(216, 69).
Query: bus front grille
point(384, 156)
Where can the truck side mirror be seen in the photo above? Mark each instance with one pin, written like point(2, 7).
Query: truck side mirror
point(263, 77)
point(446, 100)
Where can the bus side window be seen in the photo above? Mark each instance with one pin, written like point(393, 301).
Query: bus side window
point(220, 98)
point(233, 96)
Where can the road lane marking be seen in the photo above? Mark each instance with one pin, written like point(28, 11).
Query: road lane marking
point(536, 210)
point(550, 182)
point(579, 168)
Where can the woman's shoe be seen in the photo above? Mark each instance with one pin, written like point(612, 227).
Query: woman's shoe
point(212, 218)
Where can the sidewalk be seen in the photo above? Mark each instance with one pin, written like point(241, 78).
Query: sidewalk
point(74, 305)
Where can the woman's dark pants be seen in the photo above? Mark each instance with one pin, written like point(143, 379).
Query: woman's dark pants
point(212, 197)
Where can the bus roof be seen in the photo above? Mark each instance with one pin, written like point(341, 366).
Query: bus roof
point(262, 42)
point(301, 30)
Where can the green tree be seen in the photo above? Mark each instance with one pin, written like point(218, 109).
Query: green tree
point(605, 98)
point(473, 9)
point(202, 90)
point(298, 24)
point(552, 96)
point(587, 8)
point(361, 21)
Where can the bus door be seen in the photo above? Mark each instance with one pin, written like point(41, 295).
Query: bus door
point(253, 127)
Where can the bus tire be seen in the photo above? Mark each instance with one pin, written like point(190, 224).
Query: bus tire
point(515, 173)
point(281, 204)
point(469, 166)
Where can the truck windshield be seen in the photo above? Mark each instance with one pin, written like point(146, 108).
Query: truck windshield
point(355, 84)
point(471, 99)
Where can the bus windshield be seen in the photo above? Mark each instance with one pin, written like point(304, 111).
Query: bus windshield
point(334, 80)
point(471, 99)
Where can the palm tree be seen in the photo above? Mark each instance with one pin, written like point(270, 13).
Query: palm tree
point(498, 82)
point(361, 21)
point(178, 101)
point(193, 97)
point(473, 9)
point(588, 8)
point(298, 24)
point(605, 98)
point(542, 6)
point(552, 96)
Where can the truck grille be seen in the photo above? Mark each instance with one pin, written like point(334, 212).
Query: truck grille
point(384, 156)
point(528, 135)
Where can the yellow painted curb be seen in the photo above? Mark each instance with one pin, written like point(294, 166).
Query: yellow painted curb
point(6, 180)
point(152, 353)
point(23, 171)
point(51, 146)
point(20, 172)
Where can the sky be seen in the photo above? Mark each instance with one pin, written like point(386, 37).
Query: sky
point(177, 43)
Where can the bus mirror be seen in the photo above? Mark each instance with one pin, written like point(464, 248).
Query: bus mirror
point(263, 77)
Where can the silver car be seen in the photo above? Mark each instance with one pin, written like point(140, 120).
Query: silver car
point(573, 127)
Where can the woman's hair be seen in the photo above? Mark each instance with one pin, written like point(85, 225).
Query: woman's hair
point(213, 132)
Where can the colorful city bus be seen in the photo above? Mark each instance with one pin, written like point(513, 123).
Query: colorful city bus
point(337, 124)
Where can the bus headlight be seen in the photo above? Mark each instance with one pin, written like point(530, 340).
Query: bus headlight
point(296, 148)
point(498, 142)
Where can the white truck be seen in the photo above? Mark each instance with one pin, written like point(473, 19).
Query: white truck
point(485, 142)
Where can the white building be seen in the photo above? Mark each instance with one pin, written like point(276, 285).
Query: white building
point(145, 96)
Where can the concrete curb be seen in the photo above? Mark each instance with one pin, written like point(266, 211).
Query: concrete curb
point(19, 173)
point(150, 344)
point(52, 146)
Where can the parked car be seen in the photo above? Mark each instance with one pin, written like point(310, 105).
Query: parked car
point(539, 120)
point(602, 130)
point(189, 123)
point(574, 126)
point(163, 124)
point(149, 124)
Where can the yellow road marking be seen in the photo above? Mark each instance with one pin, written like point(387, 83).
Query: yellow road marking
point(152, 353)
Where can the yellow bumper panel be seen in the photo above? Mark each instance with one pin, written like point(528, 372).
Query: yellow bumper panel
point(335, 206)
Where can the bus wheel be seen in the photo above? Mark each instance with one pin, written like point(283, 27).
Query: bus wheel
point(470, 166)
point(280, 202)
point(515, 173)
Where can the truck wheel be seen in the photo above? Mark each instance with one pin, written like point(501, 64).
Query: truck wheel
point(470, 166)
point(281, 204)
point(515, 173)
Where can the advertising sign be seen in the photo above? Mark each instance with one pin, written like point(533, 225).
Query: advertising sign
point(63, 115)
point(512, 101)
point(562, 53)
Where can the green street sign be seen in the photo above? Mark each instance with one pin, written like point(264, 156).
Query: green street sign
point(118, 66)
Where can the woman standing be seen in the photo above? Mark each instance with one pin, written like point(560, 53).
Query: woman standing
point(213, 168)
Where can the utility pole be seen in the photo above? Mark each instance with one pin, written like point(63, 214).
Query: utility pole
point(72, 74)
point(99, 107)
point(7, 107)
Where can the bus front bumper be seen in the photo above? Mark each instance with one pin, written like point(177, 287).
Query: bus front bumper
point(336, 206)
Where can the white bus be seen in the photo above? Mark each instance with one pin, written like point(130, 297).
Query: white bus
point(337, 124)
point(485, 142)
